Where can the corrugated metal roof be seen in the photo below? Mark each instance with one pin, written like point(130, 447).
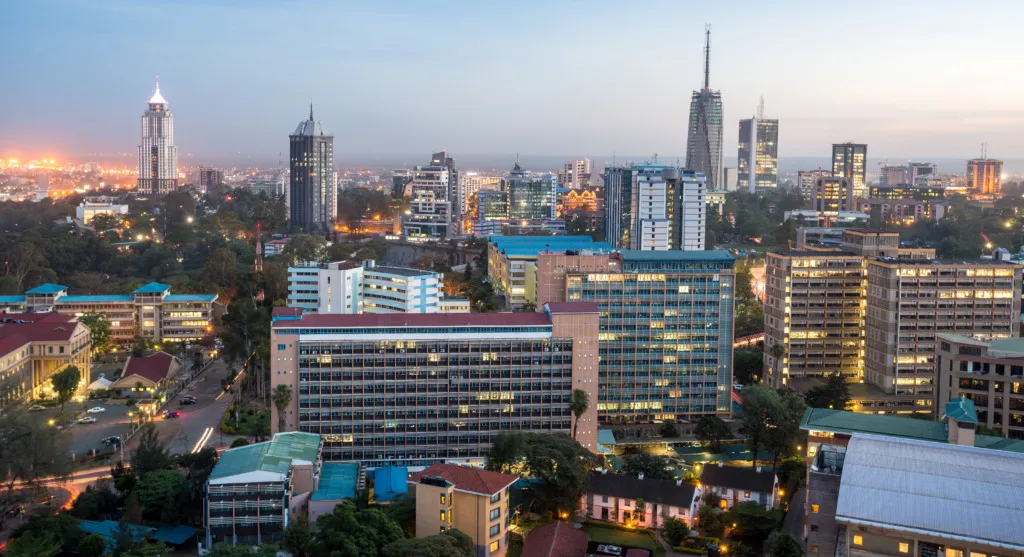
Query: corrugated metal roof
point(338, 480)
point(949, 491)
point(275, 455)
point(96, 298)
point(48, 288)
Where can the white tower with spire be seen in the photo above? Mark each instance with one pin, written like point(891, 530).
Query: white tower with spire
point(158, 157)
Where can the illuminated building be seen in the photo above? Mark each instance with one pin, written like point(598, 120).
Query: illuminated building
point(985, 177)
point(906, 191)
point(807, 181)
point(905, 211)
point(492, 205)
point(430, 211)
point(849, 161)
point(618, 206)
point(669, 206)
point(889, 176)
point(530, 197)
point(87, 210)
point(34, 346)
point(415, 389)
point(512, 262)
point(400, 180)
point(833, 195)
point(920, 173)
point(470, 184)
point(576, 174)
point(158, 156)
point(579, 200)
point(704, 139)
point(210, 178)
point(343, 287)
point(758, 156)
point(989, 373)
point(312, 192)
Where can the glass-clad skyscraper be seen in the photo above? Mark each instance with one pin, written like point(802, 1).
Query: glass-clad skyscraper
point(530, 197)
point(158, 156)
point(758, 154)
point(849, 160)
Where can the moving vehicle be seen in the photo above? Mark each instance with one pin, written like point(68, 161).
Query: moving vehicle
point(87, 420)
point(112, 440)
point(187, 400)
point(96, 410)
point(36, 408)
point(169, 415)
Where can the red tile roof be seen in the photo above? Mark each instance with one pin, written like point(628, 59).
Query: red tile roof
point(38, 327)
point(153, 367)
point(558, 539)
point(286, 312)
point(518, 319)
point(10, 343)
point(572, 307)
point(467, 478)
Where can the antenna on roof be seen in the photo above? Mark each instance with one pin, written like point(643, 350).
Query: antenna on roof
point(707, 56)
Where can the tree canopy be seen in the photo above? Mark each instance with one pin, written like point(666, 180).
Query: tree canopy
point(835, 393)
point(557, 460)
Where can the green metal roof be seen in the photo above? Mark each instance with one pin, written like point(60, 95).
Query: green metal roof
point(275, 455)
point(961, 410)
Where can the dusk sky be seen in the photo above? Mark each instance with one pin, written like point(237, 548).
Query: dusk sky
point(931, 77)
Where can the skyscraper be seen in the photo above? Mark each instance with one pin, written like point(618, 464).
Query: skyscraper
point(669, 208)
point(984, 177)
point(849, 160)
point(530, 197)
point(158, 157)
point(313, 194)
point(576, 174)
point(758, 157)
point(618, 206)
point(430, 212)
point(704, 141)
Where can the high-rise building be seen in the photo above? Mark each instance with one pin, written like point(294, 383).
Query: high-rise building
point(758, 156)
point(849, 160)
point(618, 206)
point(210, 178)
point(421, 389)
point(920, 173)
point(352, 288)
point(576, 174)
point(833, 195)
point(704, 140)
point(512, 262)
point(491, 205)
point(669, 206)
point(985, 177)
point(471, 184)
point(158, 156)
point(666, 328)
point(530, 196)
point(430, 211)
point(807, 181)
point(893, 176)
point(313, 193)
point(400, 180)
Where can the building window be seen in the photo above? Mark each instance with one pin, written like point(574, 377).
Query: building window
point(494, 547)
point(973, 554)
point(950, 552)
point(604, 498)
point(495, 513)
point(496, 497)
point(814, 549)
point(814, 508)
point(858, 540)
point(495, 530)
point(904, 547)
point(280, 347)
point(442, 516)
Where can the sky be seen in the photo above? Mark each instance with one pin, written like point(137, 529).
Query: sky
point(909, 78)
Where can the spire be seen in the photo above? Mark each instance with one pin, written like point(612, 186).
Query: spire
point(517, 167)
point(310, 111)
point(157, 98)
point(707, 56)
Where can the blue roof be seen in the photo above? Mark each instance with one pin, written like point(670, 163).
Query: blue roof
point(338, 480)
point(174, 535)
point(532, 245)
point(12, 299)
point(107, 529)
point(961, 410)
point(390, 482)
point(153, 288)
point(678, 255)
point(605, 440)
point(48, 288)
point(98, 298)
point(190, 297)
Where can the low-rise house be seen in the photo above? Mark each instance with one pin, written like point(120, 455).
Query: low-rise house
point(147, 376)
point(613, 498)
point(741, 484)
point(471, 500)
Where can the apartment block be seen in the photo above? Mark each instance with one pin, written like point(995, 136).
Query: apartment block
point(416, 389)
point(350, 288)
point(150, 311)
point(990, 374)
point(666, 328)
point(511, 261)
point(34, 346)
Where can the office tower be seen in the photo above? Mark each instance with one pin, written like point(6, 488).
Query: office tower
point(530, 196)
point(833, 195)
point(814, 307)
point(576, 174)
point(430, 211)
point(210, 178)
point(920, 173)
point(666, 328)
point(419, 389)
point(158, 156)
point(910, 301)
point(704, 141)
point(893, 176)
point(906, 191)
point(669, 206)
point(442, 159)
point(985, 177)
point(313, 192)
point(400, 180)
point(351, 288)
point(512, 261)
point(807, 181)
point(471, 184)
point(849, 160)
point(758, 156)
point(491, 205)
point(618, 206)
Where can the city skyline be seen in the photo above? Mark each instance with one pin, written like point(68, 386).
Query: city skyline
point(929, 111)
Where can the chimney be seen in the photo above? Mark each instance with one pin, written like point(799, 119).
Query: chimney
point(961, 422)
point(640, 475)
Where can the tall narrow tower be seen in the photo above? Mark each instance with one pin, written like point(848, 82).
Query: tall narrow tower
point(158, 157)
point(312, 192)
point(704, 138)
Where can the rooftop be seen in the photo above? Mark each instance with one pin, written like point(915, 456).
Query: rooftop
point(275, 456)
point(338, 480)
point(743, 478)
point(390, 482)
point(628, 486)
point(96, 298)
point(524, 246)
point(400, 271)
point(424, 320)
point(961, 410)
point(947, 491)
point(38, 327)
point(467, 478)
point(190, 298)
point(815, 253)
point(157, 98)
point(557, 539)
point(154, 367)
point(572, 307)
point(48, 288)
point(12, 299)
point(678, 255)
point(153, 288)
point(947, 262)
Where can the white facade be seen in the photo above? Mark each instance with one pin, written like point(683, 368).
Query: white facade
point(398, 290)
point(346, 288)
point(669, 208)
point(303, 287)
point(652, 206)
point(454, 305)
point(430, 210)
point(339, 288)
point(87, 210)
point(620, 511)
point(693, 211)
point(158, 156)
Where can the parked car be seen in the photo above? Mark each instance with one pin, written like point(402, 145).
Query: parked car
point(96, 410)
point(15, 511)
point(113, 440)
point(36, 408)
point(609, 549)
point(169, 415)
point(87, 420)
point(187, 401)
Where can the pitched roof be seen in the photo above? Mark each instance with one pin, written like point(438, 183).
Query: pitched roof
point(961, 410)
point(38, 327)
point(12, 342)
point(947, 491)
point(741, 478)
point(467, 478)
point(557, 539)
point(154, 367)
point(48, 288)
point(274, 457)
point(153, 288)
point(367, 320)
point(628, 486)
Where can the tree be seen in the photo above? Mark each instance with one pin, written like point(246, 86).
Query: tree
point(222, 268)
point(305, 248)
point(99, 331)
point(557, 461)
point(282, 400)
point(124, 478)
point(746, 366)
point(297, 539)
point(9, 286)
point(225, 549)
point(753, 523)
point(103, 222)
point(712, 431)
point(579, 404)
point(133, 508)
point(151, 454)
point(507, 449)
point(97, 502)
point(675, 531)
point(158, 493)
point(92, 545)
point(35, 544)
point(640, 511)
point(440, 545)
point(709, 521)
point(141, 346)
point(784, 430)
point(653, 467)
point(65, 384)
point(759, 405)
point(39, 535)
point(669, 430)
point(835, 393)
point(403, 511)
point(347, 531)
point(781, 544)
point(240, 442)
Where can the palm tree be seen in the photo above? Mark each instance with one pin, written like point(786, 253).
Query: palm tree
point(580, 403)
point(778, 352)
point(282, 399)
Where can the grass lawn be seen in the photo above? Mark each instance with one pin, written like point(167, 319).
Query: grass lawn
point(621, 538)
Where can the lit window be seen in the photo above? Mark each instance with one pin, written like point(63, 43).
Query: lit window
point(904, 547)
point(494, 547)
point(814, 508)
point(858, 540)
point(442, 498)
point(442, 516)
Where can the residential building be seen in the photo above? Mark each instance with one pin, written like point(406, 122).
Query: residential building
point(209, 178)
point(849, 161)
point(666, 328)
point(989, 373)
point(905, 191)
point(613, 498)
point(758, 156)
point(352, 288)
point(576, 174)
point(313, 191)
point(87, 210)
point(274, 247)
point(401, 290)
point(741, 484)
point(705, 134)
point(340, 287)
point(670, 212)
point(833, 196)
point(271, 188)
point(471, 186)
point(150, 311)
point(807, 181)
point(471, 500)
point(34, 346)
point(158, 156)
point(920, 173)
point(985, 177)
point(430, 211)
point(890, 176)
point(147, 376)
point(455, 304)
point(511, 260)
point(441, 159)
point(252, 490)
point(904, 211)
point(618, 206)
point(556, 539)
point(530, 197)
point(418, 389)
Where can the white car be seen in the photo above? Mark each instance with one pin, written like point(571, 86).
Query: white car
point(87, 420)
point(96, 410)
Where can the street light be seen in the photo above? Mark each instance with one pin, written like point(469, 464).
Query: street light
point(189, 220)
